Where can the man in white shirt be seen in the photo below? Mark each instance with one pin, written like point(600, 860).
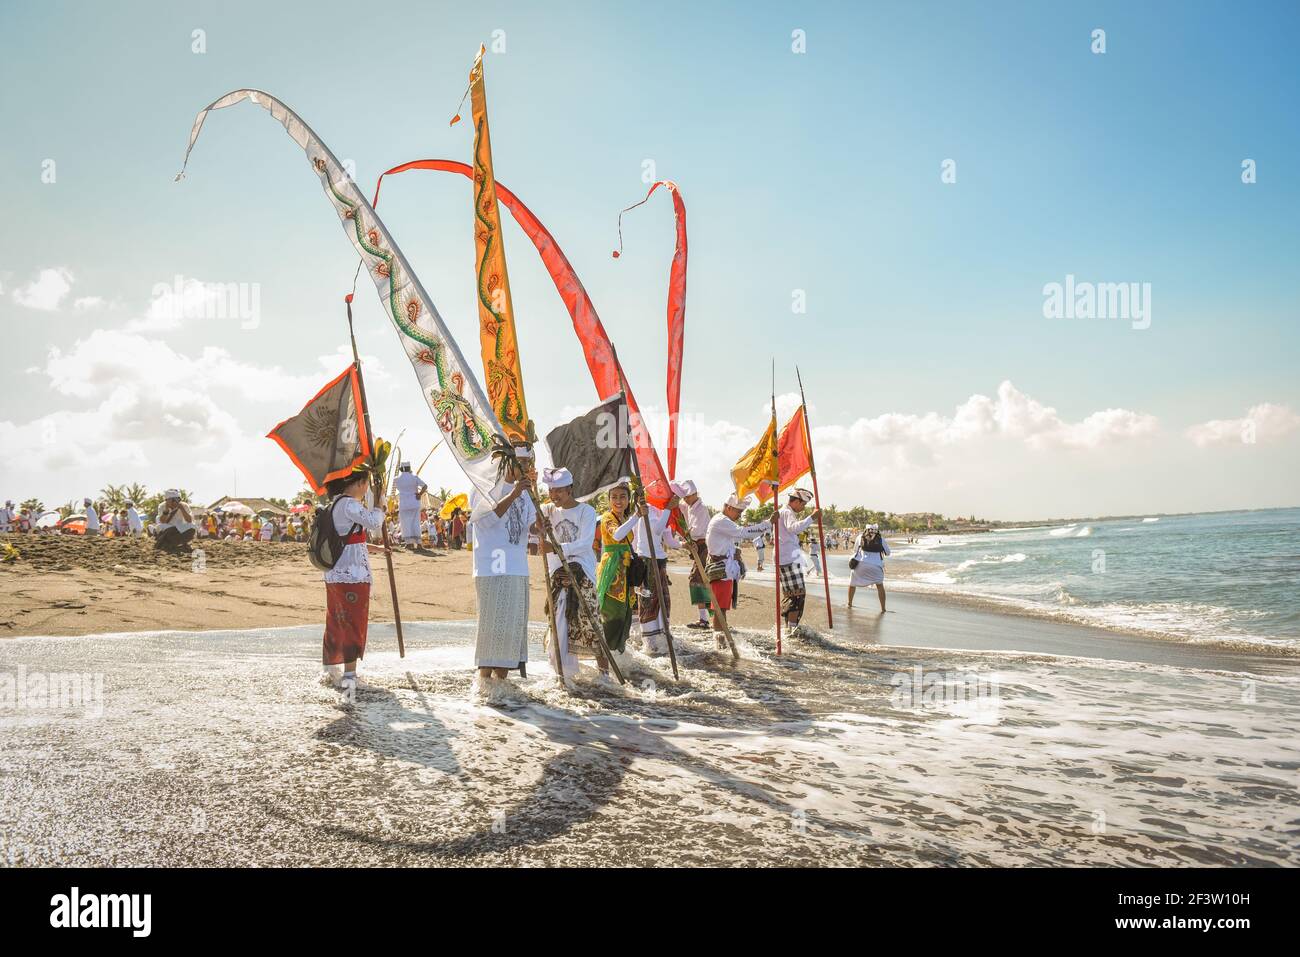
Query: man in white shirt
point(722, 537)
point(651, 552)
point(134, 524)
point(696, 520)
point(498, 531)
point(573, 524)
point(409, 488)
point(7, 517)
point(92, 518)
point(175, 526)
point(789, 526)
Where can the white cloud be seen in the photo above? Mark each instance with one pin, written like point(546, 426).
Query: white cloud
point(45, 292)
point(1265, 422)
point(85, 303)
point(172, 305)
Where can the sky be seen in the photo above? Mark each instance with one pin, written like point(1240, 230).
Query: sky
point(882, 195)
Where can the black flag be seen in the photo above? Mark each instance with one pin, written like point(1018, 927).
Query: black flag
point(594, 447)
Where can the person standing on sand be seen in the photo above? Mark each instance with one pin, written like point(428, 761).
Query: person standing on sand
point(498, 528)
point(134, 524)
point(789, 526)
point(572, 576)
point(92, 518)
point(760, 545)
point(7, 518)
point(409, 488)
point(815, 553)
point(653, 618)
point(724, 568)
point(347, 584)
point(697, 518)
point(868, 564)
point(613, 590)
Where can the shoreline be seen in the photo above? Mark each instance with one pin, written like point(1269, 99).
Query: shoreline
point(256, 585)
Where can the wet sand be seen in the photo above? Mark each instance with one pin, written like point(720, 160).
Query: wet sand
point(221, 748)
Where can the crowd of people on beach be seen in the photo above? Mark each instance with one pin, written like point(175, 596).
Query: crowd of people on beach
point(606, 570)
point(611, 583)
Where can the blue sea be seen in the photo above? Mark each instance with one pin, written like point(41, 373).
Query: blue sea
point(1228, 578)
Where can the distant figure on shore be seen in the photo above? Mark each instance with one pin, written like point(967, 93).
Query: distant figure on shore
point(868, 564)
point(134, 524)
point(409, 488)
point(760, 546)
point(7, 518)
point(92, 518)
point(175, 526)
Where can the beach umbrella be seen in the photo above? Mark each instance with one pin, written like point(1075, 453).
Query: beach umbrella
point(73, 525)
point(238, 508)
point(46, 520)
point(456, 501)
point(299, 509)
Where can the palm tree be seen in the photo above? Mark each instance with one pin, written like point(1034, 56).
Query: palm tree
point(33, 505)
point(113, 497)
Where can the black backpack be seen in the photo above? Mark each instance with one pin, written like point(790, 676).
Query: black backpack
point(325, 545)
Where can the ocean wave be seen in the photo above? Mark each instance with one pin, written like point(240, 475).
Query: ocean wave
point(1063, 530)
point(1202, 624)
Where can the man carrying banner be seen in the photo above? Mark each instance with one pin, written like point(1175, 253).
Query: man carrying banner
point(572, 580)
point(789, 526)
point(409, 487)
point(722, 537)
point(498, 528)
point(651, 550)
point(696, 520)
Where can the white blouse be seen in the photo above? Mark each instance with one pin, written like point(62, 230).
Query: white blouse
point(354, 564)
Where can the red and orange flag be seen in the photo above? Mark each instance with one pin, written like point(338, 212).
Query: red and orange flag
point(793, 447)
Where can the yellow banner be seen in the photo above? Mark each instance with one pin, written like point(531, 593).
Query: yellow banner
point(758, 465)
point(496, 314)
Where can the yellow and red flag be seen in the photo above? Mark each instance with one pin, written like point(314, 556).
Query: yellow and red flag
point(757, 466)
point(496, 313)
point(794, 448)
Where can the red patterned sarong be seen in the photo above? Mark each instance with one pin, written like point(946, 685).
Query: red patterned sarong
point(347, 614)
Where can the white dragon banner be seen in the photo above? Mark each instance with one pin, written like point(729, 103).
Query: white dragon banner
point(458, 403)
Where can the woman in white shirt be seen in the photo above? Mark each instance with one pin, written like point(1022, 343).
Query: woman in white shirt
point(498, 530)
point(347, 584)
point(869, 564)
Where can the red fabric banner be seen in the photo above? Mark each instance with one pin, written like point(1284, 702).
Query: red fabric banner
point(792, 449)
point(596, 346)
point(676, 315)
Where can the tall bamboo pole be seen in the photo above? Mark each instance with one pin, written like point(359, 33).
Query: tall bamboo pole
point(660, 587)
point(776, 515)
point(817, 498)
point(388, 552)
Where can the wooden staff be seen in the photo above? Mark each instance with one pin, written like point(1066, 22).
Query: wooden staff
point(722, 615)
point(427, 457)
point(817, 498)
point(776, 514)
point(383, 529)
point(660, 587)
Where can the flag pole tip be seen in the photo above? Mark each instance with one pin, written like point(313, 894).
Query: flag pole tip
point(348, 297)
point(454, 120)
point(615, 254)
